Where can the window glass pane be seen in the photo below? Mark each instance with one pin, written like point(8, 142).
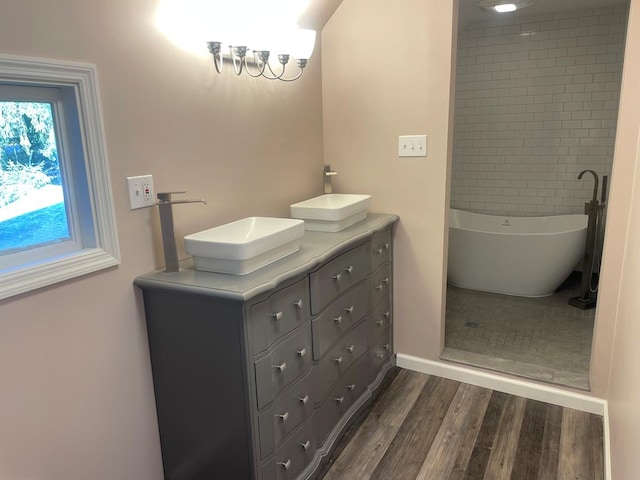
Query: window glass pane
point(32, 207)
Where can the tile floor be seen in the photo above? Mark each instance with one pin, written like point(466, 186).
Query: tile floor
point(540, 338)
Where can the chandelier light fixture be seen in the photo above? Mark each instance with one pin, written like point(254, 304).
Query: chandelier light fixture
point(261, 62)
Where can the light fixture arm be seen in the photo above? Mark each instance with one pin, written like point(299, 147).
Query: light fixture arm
point(239, 53)
point(214, 50)
point(284, 59)
point(261, 59)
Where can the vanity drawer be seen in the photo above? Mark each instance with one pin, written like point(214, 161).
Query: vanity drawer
point(380, 320)
point(279, 314)
point(339, 317)
point(344, 393)
point(281, 366)
point(293, 456)
point(337, 276)
point(381, 251)
point(379, 354)
point(338, 360)
point(381, 284)
point(290, 409)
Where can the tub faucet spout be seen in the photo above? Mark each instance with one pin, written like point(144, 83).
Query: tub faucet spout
point(595, 182)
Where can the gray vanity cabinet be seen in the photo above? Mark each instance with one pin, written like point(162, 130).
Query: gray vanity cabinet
point(257, 376)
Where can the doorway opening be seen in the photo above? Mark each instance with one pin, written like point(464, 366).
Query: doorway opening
point(536, 103)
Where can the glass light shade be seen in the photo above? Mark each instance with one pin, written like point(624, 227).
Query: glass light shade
point(303, 43)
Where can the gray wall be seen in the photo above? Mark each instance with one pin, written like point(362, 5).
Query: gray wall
point(536, 103)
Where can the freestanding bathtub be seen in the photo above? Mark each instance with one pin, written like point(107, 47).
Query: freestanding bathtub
point(525, 256)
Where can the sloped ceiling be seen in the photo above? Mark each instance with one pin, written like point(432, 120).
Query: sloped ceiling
point(318, 13)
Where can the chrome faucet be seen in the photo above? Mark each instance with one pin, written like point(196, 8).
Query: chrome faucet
point(166, 225)
point(327, 173)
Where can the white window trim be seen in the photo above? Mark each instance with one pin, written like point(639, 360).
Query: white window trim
point(82, 78)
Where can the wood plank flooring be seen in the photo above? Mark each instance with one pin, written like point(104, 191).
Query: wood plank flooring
point(429, 428)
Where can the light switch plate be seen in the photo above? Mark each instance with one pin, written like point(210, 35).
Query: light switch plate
point(412, 146)
point(141, 192)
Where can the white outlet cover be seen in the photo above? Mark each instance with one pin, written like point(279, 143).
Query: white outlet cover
point(412, 146)
point(141, 191)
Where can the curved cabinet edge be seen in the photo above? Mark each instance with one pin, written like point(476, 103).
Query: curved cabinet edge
point(323, 453)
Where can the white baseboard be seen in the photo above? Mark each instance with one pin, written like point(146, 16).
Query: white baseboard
point(607, 442)
point(513, 386)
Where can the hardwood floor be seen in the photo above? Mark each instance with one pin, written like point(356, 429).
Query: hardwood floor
point(426, 427)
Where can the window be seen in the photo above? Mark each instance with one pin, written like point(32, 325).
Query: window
point(56, 212)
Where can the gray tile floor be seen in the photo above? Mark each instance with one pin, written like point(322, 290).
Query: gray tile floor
point(540, 338)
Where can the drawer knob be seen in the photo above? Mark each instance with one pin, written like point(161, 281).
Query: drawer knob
point(386, 314)
point(285, 465)
point(337, 277)
point(305, 446)
point(349, 349)
point(386, 346)
point(378, 251)
point(302, 352)
point(350, 309)
point(386, 246)
point(379, 287)
point(339, 400)
point(304, 400)
point(338, 360)
point(386, 281)
point(351, 387)
point(349, 269)
point(277, 316)
point(281, 368)
point(299, 304)
point(337, 319)
point(284, 417)
point(379, 356)
point(380, 323)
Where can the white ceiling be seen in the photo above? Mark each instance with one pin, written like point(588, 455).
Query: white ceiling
point(469, 12)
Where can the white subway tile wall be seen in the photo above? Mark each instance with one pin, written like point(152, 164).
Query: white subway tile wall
point(536, 103)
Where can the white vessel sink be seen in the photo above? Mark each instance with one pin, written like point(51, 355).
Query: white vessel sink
point(245, 245)
point(332, 212)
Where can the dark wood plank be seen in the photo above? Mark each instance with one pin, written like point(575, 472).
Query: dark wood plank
point(548, 466)
point(503, 453)
point(361, 456)
point(596, 443)
point(471, 435)
point(454, 441)
point(411, 444)
point(576, 460)
point(480, 455)
point(527, 461)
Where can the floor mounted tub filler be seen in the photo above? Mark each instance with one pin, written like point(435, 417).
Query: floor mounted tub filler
point(524, 256)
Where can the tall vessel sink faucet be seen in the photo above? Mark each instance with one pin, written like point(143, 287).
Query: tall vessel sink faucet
point(166, 225)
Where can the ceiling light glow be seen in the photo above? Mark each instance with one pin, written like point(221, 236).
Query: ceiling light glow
point(505, 8)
